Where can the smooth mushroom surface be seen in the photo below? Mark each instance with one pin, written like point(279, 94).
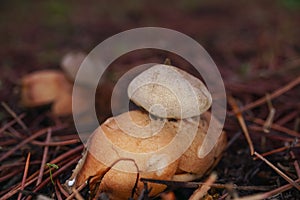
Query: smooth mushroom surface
point(169, 92)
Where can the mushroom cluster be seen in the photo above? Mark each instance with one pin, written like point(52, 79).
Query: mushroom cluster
point(160, 141)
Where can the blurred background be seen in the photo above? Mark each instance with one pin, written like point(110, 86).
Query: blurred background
point(246, 39)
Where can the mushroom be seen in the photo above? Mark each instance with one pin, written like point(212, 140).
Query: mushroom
point(181, 96)
point(166, 87)
point(162, 141)
point(45, 87)
point(55, 87)
point(190, 166)
point(102, 152)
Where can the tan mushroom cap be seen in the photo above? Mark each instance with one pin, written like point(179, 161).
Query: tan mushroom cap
point(102, 153)
point(190, 162)
point(47, 86)
point(105, 142)
point(169, 92)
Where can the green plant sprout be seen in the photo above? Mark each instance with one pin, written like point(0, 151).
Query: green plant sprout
point(51, 166)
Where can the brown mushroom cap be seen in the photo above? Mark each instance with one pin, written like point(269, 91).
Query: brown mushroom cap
point(103, 152)
point(45, 87)
point(190, 162)
point(104, 149)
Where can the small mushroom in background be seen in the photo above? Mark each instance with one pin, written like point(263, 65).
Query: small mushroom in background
point(55, 87)
point(46, 87)
point(178, 101)
point(71, 62)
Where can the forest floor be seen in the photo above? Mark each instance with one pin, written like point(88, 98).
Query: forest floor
point(255, 44)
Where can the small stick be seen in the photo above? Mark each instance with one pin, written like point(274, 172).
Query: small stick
point(67, 154)
point(12, 122)
point(24, 175)
point(296, 164)
point(56, 173)
point(268, 194)
point(197, 184)
point(33, 177)
point(35, 135)
point(62, 190)
point(71, 196)
point(202, 190)
point(61, 143)
point(77, 195)
point(242, 123)
point(15, 133)
point(9, 175)
point(277, 127)
point(283, 175)
point(14, 115)
point(44, 159)
point(278, 150)
point(287, 118)
point(269, 121)
point(273, 137)
point(273, 95)
point(57, 192)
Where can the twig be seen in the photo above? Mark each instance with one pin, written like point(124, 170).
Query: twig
point(242, 123)
point(71, 196)
point(278, 150)
point(57, 192)
point(10, 165)
point(61, 143)
point(283, 175)
point(268, 194)
point(273, 95)
point(184, 184)
point(277, 127)
point(67, 154)
point(269, 121)
point(35, 135)
point(33, 177)
point(44, 159)
point(202, 190)
point(77, 195)
point(296, 164)
point(14, 115)
point(233, 139)
point(24, 175)
point(56, 173)
point(273, 137)
point(7, 176)
point(62, 190)
point(12, 122)
point(287, 118)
